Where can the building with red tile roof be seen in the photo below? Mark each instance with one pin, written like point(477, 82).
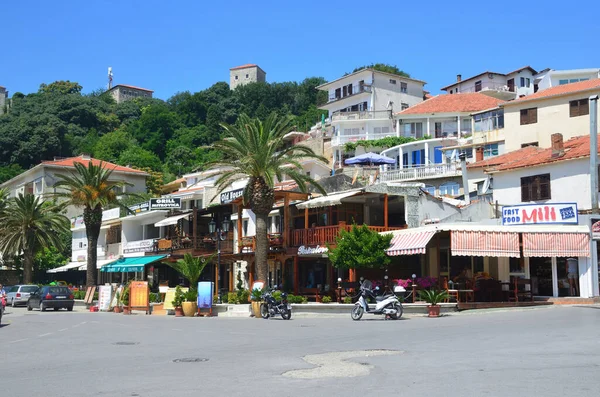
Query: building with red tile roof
point(457, 103)
point(560, 90)
point(83, 159)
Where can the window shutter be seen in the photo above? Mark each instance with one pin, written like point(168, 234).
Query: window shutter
point(524, 118)
point(532, 115)
point(525, 190)
point(544, 183)
point(573, 108)
point(584, 107)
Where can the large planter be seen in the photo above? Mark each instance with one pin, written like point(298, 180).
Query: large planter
point(117, 309)
point(189, 308)
point(434, 311)
point(178, 311)
point(256, 309)
point(126, 310)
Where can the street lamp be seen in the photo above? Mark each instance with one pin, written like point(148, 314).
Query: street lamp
point(218, 234)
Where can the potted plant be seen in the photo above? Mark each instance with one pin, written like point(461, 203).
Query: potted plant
point(117, 308)
point(178, 301)
point(125, 300)
point(434, 298)
point(190, 302)
point(256, 298)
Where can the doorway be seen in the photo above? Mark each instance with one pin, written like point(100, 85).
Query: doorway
point(541, 276)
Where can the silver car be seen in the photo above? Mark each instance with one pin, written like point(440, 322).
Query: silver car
point(19, 294)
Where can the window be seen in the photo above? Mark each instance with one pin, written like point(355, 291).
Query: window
point(535, 188)
point(247, 75)
point(345, 90)
point(449, 189)
point(404, 106)
point(527, 82)
point(478, 86)
point(579, 107)
point(245, 227)
point(490, 150)
point(429, 189)
point(528, 116)
point(392, 81)
point(403, 87)
point(529, 144)
point(349, 89)
point(489, 121)
point(414, 129)
point(562, 82)
point(235, 78)
point(522, 81)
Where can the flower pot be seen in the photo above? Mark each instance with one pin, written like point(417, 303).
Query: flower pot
point(434, 311)
point(126, 310)
point(256, 309)
point(189, 308)
point(117, 309)
point(178, 311)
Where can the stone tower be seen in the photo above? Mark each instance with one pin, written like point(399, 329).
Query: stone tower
point(245, 74)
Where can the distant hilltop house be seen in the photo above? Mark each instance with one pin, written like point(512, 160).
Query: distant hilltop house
point(122, 92)
point(3, 100)
point(245, 74)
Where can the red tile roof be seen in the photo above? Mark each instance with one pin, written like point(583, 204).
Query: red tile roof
point(248, 65)
point(559, 90)
point(132, 87)
point(575, 148)
point(69, 162)
point(454, 103)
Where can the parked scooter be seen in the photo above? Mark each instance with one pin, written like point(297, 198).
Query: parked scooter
point(387, 305)
point(270, 307)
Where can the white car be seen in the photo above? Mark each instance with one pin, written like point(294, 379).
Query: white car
point(19, 294)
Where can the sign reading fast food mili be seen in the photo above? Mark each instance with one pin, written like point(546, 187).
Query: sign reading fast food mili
point(165, 203)
point(540, 214)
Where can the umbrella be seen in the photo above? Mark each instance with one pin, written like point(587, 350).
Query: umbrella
point(370, 159)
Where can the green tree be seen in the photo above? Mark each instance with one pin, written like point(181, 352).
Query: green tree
point(191, 267)
point(90, 188)
point(49, 258)
point(137, 157)
point(8, 172)
point(255, 150)
point(110, 146)
point(60, 87)
point(28, 226)
point(383, 67)
point(361, 247)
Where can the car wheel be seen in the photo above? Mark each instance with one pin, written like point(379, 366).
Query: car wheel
point(42, 307)
point(70, 308)
point(29, 308)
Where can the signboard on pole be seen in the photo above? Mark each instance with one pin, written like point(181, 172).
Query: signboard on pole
point(540, 214)
point(139, 246)
point(104, 297)
point(141, 207)
point(228, 197)
point(165, 203)
point(205, 295)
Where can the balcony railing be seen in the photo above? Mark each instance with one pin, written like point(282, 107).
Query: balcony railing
point(490, 87)
point(361, 115)
point(417, 173)
point(326, 234)
point(248, 243)
point(204, 245)
point(343, 139)
point(356, 89)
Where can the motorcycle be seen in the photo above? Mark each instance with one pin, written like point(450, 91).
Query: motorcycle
point(270, 307)
point(386, 304)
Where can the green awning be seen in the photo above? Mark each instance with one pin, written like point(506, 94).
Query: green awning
point(133, 264)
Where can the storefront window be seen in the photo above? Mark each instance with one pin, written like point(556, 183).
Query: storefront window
point(313, 273)
point(517, 267)
point(567, 273)
point(541, 276)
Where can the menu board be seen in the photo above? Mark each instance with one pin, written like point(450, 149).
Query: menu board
point(169, 296)
point(104, 297)
point(139, 296)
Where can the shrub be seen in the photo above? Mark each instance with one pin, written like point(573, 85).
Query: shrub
point(155, 297)
point(256, 295)
point(294, 299)
point(191, 295)
point(232, 298)
point(243, 295)
point(179, 297)
point(347, 299)
point(326, 299)
point(277, 295)
point(303, 299)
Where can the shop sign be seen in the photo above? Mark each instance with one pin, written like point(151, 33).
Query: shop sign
point(165, 203)
point(317, 250)
point(595, 229)
point(540, 214)
point(139, 246)
point(228, 197)
point(141, 207)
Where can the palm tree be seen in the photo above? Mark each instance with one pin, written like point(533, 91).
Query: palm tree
point(255, 150)
point(28, 225)
point(191, 268)
point(89, 188)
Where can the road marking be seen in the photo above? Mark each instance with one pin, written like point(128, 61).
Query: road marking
point(18, 340)
point(77, 325)
point(175, 329)
point(46, 334)
point(63, 330)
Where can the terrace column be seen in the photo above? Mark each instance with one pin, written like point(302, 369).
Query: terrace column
point(428, 127)
point(458, 126)
point(286, 221)
point(400, 155)
point(239, 227)
point(385, 211)
point(426, 154)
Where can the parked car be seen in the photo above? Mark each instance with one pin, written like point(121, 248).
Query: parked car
point(19, 294)
point(50, 296)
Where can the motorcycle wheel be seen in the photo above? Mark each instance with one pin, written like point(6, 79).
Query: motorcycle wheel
point(286, 314)
point(399, 310)
point(357, 312)
point(264, 311)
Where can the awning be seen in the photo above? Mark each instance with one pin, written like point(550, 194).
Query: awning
point(64, 268)
point(556, 244)
point(326, 201)
point(409, 243)
point(172, 220)
point(133, 264)
point(484, 243)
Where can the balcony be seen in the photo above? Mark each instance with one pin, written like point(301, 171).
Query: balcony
point(326, 234)
point(343, 139)
point(418, 173)
point(364, 115)
point(496, 90)
point(248, 243)
point(356, 90)
point(204, 245)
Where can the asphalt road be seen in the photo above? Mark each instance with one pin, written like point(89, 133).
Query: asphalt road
point(552, 351)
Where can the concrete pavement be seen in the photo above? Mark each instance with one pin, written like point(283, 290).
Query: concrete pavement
point(549, 351)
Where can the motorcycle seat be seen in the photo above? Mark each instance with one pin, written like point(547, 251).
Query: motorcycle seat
point(379, 298)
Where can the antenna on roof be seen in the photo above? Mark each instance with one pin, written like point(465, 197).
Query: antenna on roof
point(110, 77)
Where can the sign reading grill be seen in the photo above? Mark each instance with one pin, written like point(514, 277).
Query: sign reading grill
point(165, 203)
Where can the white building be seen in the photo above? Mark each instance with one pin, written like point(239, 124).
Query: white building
point(548, 78)
point(499, 85)
point(361, 106)
point(549, 186)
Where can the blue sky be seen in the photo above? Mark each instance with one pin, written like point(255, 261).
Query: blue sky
point(172, 46)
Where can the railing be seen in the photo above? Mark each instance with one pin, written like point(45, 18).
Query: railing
point(326, 234)
point(204, 245)
point(490, 87)
point(425, 172)
point(248, 243)
point(361, 115)
point(343, 139)
point(356, 89)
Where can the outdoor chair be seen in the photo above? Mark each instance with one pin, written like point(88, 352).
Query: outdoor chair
point(452, 293)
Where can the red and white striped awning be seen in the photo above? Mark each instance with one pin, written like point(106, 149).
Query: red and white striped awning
point(407, 243)
point(484, 243)
point(556, 244)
